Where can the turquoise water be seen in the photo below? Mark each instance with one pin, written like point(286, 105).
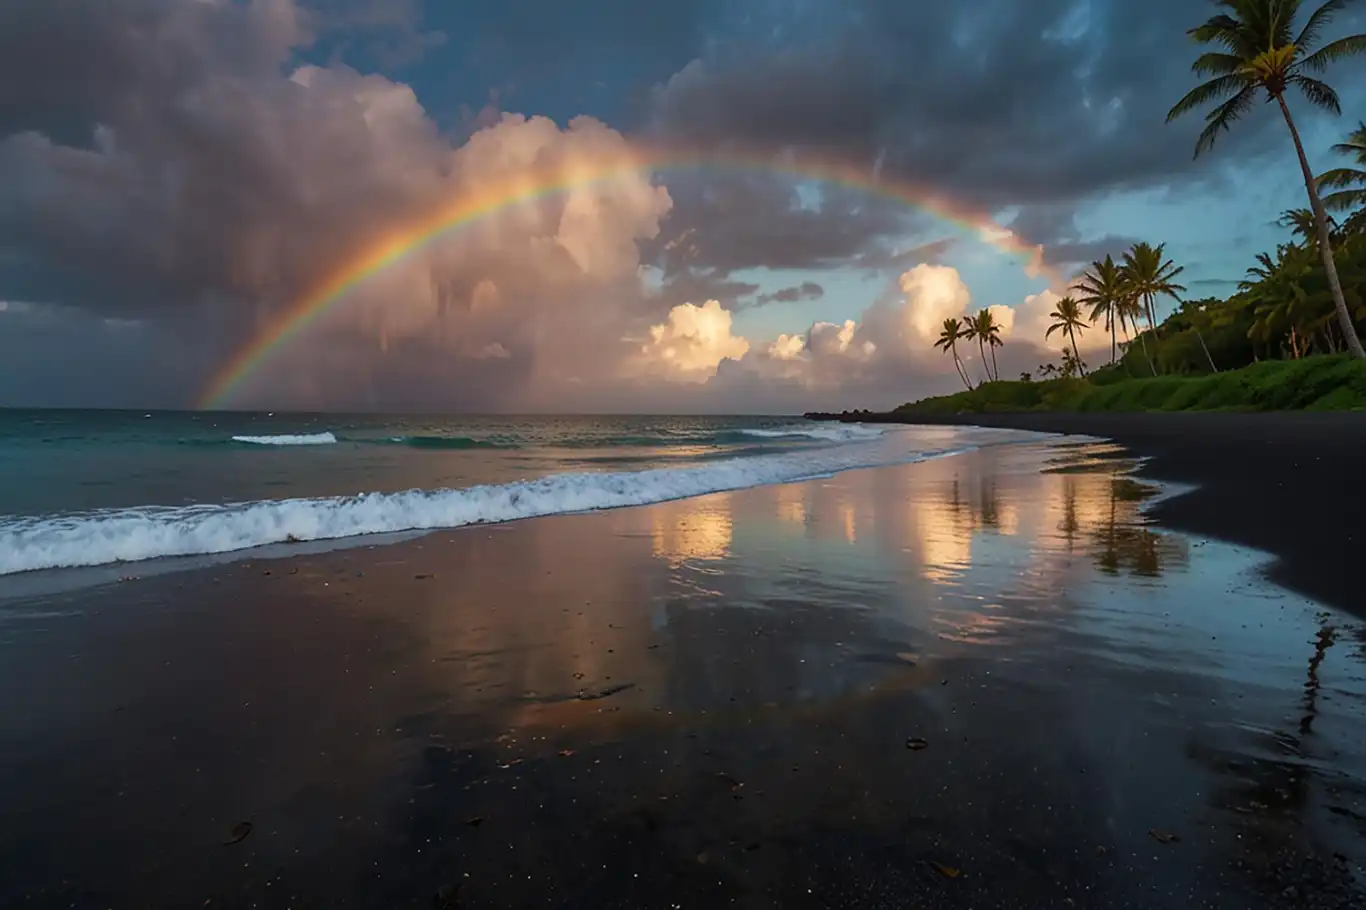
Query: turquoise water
point(94, 487)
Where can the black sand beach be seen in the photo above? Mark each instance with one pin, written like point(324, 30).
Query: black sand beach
point(981, 681)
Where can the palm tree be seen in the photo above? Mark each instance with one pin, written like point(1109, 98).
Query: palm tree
point(984, 327)
point(1104, 289)
point(949, 336)
point(1149, 276)
point(1260, 52)
point(1302, 224)
point(1066, 317)
point(1349, 181)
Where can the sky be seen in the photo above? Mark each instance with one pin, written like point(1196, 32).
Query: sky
point(178, 176)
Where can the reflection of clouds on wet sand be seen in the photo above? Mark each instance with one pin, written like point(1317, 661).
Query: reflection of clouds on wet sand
point(692, 529)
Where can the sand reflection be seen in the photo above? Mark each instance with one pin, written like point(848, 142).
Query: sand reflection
point(693, 529)
point(979, 549)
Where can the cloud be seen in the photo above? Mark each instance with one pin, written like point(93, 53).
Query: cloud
point(723, 223)
point(175, 175)
point(691, 343)
point(1044, 103)
point(214, 189)
point(807, 290)
point(887, 356)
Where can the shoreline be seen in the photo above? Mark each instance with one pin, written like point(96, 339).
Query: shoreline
point(962, 682)
point(1284, 483)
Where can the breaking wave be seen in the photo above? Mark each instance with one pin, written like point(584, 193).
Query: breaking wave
point(846, 432)
point(306, 439)
point(448, 442)
point(149, 532)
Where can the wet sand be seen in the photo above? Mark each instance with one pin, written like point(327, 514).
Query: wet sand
point(1284, 482)
point(982, 681)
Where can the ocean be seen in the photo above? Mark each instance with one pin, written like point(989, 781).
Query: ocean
point(92, 488)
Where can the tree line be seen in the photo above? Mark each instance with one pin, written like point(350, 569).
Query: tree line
point(1306, 298)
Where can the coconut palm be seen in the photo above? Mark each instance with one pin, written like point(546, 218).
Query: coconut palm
point(1148, 277)
point(987, 331)
point(1259, 51)
point(949, 336)
point(1066, 318)
point(1349, 181)
point(1104, 289)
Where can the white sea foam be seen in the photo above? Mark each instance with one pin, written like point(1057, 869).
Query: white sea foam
point(148, 532)
point(833, 432)
point(305, 439)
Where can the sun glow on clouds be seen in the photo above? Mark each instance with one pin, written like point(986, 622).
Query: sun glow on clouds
point(692, 343)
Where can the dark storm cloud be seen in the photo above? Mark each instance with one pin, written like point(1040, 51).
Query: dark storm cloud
point(807, 290)
point(725, 223)
point(698, 286)
point(1001, 103)
point(1073, 256)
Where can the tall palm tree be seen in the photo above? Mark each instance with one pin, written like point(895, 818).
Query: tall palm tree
point(994, 341)
point(949, 336)
point(987, 331)
point(1148, 277)
point(1105, 290)
point(1259, 51)
point(1349, 181)
point(1066, 318)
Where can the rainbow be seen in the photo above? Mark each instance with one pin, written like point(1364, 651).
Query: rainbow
point(388, 249)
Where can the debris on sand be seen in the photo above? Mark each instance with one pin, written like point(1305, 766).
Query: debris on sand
point(916, 743)
point(1163, 837)
point(238, 833)
point(585, 695)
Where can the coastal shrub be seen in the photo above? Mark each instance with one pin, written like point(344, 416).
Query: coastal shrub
point(1327, 382)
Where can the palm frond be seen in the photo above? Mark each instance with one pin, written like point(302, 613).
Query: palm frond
point(1216, 64)
point(1319, 94)
point(1333, 52)
point(1341, 177)
point(1309, 35)
point(1223, 117)
point(1212, 90)
point(1343, 200)
point(1355, 144)
point(1222, 29)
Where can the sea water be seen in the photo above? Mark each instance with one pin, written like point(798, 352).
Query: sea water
point(85, 488)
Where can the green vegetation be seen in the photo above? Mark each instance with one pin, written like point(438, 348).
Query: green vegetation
point(1259, 52)
point(1288, 338)
point(1332, 382)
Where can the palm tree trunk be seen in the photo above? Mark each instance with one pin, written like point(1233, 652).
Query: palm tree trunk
point(994, 368)
point(1076, 352)
point(1114, 343)
point(958, 365)
point(1204, 348)
point(982, 351)
point(1349, 331)
point(1144, 345)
